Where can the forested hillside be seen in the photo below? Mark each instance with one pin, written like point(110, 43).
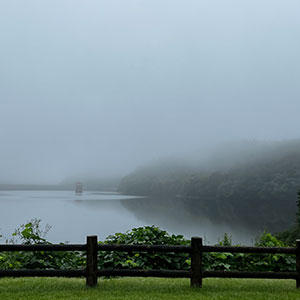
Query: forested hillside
point(254, 185)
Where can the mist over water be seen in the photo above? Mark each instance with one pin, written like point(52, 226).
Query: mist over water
point(99, 88)
point(91, 91)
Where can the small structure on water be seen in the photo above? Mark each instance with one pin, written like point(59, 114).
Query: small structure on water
point(78, 189)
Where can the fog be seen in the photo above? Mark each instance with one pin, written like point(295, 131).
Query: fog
point(101, 87)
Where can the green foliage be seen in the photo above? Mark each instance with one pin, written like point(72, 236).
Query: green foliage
point(227, 240)
point(31, 233)
point(211, 261)
point(268, 240)
point(251, 262)
point(149, 235)
point(289, 236)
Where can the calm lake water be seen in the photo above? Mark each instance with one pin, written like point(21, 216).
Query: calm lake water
point(73, 217)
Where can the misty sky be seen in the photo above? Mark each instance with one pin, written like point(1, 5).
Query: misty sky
point(99, 87)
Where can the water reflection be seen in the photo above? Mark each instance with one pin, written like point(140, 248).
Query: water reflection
point(73, 217)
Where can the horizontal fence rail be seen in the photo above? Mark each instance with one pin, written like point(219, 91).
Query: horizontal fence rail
point(146, 248)
point(67, 247)
point(196, 250)
point(261, 250)
point(42, 273)
point(145, 273)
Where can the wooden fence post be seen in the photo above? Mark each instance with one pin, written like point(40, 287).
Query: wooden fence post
point(91, 260)
point(196, 262)
point(298, 263)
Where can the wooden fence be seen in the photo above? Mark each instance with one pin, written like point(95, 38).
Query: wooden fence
point(196, 273)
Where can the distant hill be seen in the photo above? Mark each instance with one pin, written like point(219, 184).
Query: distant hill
point(249, 184)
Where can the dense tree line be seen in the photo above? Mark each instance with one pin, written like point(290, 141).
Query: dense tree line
point(258, 192)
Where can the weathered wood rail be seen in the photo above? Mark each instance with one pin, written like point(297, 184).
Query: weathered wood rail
point(196, 273)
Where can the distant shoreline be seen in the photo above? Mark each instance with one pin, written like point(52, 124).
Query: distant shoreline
point(45, 187)
point(33, 187)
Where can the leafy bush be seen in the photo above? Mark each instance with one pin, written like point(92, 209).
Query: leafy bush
point(149, 235)
point(31, 233)
point(248, 261)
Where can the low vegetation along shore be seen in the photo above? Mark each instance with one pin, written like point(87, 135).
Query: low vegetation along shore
point(32, 233)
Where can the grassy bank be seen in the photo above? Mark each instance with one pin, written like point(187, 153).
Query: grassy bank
point(149, 288)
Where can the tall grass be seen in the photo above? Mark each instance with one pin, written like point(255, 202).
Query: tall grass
point(146, 288)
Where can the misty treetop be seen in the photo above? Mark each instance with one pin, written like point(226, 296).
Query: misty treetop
point(255, 187)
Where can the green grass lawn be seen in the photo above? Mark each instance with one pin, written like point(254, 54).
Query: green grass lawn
point(146, 288)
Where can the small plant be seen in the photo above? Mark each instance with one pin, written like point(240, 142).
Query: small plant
point(32, 232)
point(227, 240)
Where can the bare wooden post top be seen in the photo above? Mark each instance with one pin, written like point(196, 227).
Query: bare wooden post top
point(91, 260)
point(196, 262)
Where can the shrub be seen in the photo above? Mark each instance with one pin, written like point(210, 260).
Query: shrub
point(32, 233)
point(149, 235)
point(248, 261)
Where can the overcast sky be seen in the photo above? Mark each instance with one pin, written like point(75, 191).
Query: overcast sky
point(102, 86)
